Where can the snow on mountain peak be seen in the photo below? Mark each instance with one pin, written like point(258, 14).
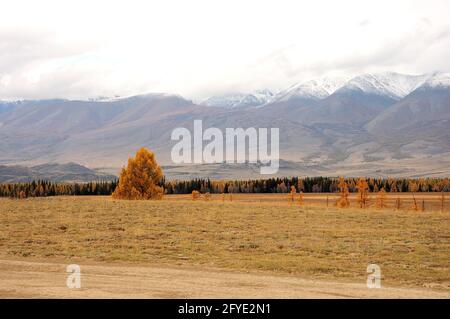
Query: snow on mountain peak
point(438, 80)
point(237, 100)
point(391, 84)
point(313, 89)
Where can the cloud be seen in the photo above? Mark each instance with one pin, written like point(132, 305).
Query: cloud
point(364, 23)
point(81, 49)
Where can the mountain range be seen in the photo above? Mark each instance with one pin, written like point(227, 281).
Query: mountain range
point(386, 124)
point(70, 172)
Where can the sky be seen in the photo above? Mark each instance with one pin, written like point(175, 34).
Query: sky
point(86, 49)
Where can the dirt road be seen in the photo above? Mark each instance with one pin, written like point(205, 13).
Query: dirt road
point(25, 279)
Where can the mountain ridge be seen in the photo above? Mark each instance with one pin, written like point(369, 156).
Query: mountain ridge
point(391, 84)
point(349, 130)
point(52, 172)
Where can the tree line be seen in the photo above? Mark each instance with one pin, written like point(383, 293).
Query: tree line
point(272, 185)
point(42, 188)
point(306, 185)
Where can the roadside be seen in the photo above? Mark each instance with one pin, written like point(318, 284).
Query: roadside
point(25, 279)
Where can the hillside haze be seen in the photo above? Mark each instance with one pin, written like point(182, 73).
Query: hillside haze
point(373, 125)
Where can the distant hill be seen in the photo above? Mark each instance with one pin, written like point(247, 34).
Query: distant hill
point(70, 172)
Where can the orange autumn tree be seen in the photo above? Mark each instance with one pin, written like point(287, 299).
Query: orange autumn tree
point(292, 193)
point(343, 200)
point(140, 179)
point(195, 195)
point(363, 192)
point(381, 198)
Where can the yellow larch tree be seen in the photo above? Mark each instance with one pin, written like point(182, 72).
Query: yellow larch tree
point(363, 192)
point(381, 199)
point(140, 179)
point(195, 195)
point(343, 200)
point(300, 199)
point(292, 194)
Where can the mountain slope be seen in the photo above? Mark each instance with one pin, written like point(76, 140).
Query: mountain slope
point(427, 109)
point(65, 116)
point(361, 99)
point(347, 107)
point(70, 172)
point(345, 101)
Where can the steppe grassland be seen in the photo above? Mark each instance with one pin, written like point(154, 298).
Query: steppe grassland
point(251, 233)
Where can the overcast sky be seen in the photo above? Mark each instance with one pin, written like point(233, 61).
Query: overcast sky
point(81, 49)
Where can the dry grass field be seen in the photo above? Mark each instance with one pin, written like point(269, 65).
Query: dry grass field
point(424, 201)
point(262, 233)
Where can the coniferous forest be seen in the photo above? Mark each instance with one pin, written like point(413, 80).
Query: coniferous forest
point(272, 185)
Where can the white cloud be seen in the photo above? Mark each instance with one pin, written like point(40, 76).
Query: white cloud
point(79, 49)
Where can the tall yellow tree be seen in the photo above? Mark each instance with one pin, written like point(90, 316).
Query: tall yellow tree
point(414, 187)
point(363, 192)
point(381, 199)
point(300, 199)
point(292, 194)
point(343, 200)
point(140, 179)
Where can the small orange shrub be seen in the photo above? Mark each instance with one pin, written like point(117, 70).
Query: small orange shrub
point(195, 195)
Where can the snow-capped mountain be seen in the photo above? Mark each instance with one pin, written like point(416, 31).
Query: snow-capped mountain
point(359, 128)
point(313, 89)
point(390, 84)
point(438, 80)
point(427, 108)
point(239, 100)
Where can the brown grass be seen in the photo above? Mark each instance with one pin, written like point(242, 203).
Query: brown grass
point(433, 201)
point(412, 248)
